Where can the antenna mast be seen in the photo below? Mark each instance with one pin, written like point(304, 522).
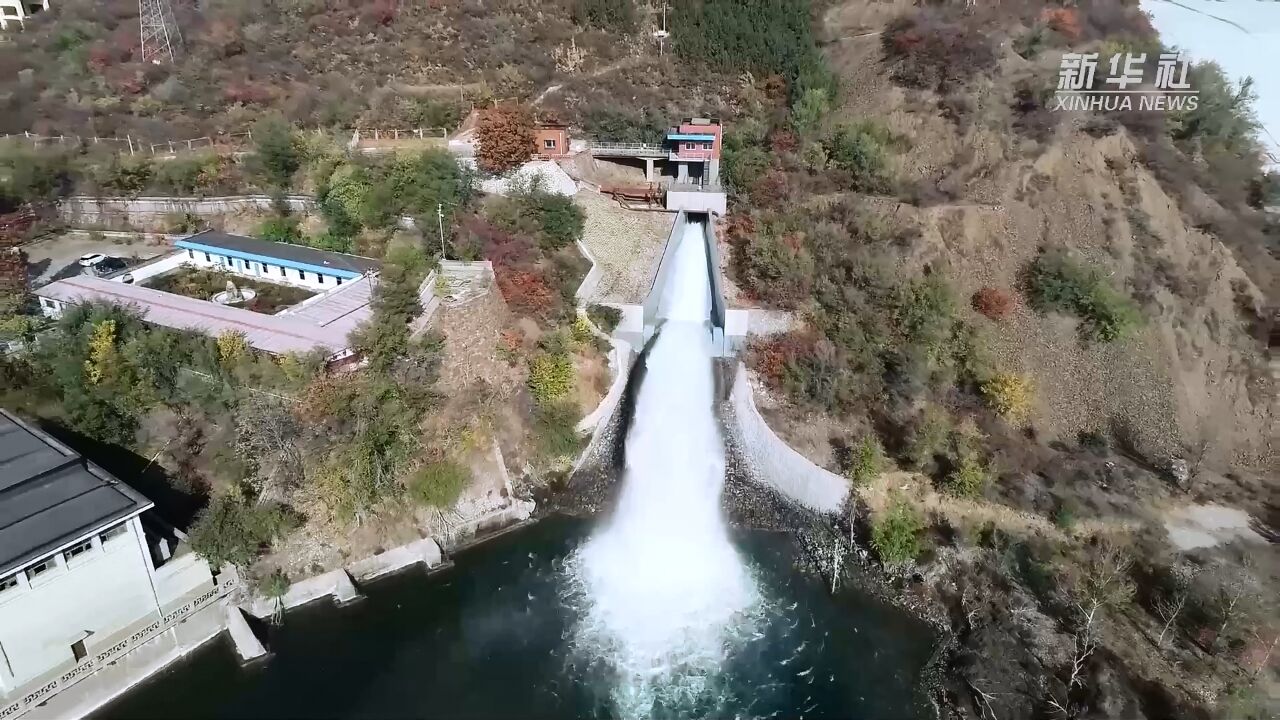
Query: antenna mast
point(161, 40)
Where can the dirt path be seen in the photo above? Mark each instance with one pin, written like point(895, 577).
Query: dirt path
point(979, 512)
point(614, 66)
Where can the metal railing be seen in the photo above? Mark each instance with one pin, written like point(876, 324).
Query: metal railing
point(613, 148)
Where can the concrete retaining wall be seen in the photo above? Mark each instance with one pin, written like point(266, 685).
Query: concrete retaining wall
point(85, 209)
point(775, 463)
point(587, 288)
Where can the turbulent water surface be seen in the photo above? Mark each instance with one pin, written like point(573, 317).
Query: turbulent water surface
point(658, 612)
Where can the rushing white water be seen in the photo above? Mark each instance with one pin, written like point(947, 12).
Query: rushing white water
point(666, 596)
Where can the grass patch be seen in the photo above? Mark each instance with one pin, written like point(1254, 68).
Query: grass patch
point(204, 284)
point(439, 484)
point(1056, 282)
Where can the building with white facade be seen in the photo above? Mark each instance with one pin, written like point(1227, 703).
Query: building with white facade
point(15, 12)
point(276, 262)
point(87, 571)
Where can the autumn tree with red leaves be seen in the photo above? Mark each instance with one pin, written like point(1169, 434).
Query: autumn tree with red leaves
point(505, 138)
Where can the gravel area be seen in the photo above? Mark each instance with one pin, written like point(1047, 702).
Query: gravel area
point(627, 245)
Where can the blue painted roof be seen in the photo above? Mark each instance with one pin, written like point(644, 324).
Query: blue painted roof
point(298, 257)
point(686, 136)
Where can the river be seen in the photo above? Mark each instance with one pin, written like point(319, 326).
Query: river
point(492, 637)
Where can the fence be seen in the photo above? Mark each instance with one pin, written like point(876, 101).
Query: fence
point(39, 690)
point(135, 146)
point(233, 142)
point(627, 149)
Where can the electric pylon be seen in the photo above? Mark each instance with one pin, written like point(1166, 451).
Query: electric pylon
point(161, 39)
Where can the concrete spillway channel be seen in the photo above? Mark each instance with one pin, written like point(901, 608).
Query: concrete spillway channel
point(766, 457)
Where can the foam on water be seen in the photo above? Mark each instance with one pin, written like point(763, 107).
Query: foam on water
point(665, 598)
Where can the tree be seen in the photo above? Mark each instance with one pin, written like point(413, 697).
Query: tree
point(1179, 583)
point(384, 337)
point(232, 530)
point(277, 156)
point(505, 139)
point(612, 15)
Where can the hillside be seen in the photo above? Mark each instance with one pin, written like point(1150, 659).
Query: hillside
point(1053, 327)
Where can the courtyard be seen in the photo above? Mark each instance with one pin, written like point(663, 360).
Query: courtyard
point(191, 282)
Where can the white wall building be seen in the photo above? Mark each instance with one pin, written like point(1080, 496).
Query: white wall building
point(14, 12)
point(86, 572)
point(277, 262)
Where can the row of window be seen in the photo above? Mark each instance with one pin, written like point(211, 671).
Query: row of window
point(262, 268)
point(51, 563)
point(696, 145)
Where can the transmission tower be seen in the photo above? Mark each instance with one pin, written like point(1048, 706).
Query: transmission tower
point(161, 40)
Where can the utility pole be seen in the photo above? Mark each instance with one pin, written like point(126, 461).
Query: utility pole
point(662, 34)
point(440, 219)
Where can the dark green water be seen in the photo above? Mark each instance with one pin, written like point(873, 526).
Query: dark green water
point(490, 638)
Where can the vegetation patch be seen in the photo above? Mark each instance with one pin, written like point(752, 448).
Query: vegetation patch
point(439, 484)
point(1056, 282)
point(203, 284)
point(895, 533)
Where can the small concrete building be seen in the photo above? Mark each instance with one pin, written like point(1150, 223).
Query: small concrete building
point(276, 262)
point(694, 148)
point(17, 11)
point(551, 141)
point(87, 571)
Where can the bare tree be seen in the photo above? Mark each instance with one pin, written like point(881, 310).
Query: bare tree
point(268, 437)
point(1169, 607)
point(1105, 585)
point(1229, 598)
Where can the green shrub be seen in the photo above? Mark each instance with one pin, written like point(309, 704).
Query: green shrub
point(969, 477)
point(895, 534)
point(867, 461)
point(1056, 282)
point(235, 530)
point(281, 230)
point(612, 15)
point(561, 220)
point(929, 437)
point(550, 377)
point(859, 150)
point(555, 429)
point(606, 318)
point(438, 484)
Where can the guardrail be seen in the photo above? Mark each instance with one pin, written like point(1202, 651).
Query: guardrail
point(603, 148)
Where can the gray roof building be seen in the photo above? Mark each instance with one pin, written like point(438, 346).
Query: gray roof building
point(50, 496)
point(296, 256)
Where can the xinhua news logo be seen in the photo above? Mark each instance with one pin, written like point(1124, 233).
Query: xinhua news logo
point(1125, 81)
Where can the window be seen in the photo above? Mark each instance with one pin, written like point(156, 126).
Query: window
point(302, 275)
point(320, 278)
point(9, 583)
point(191, 253)
point(47, 303)
point(78, 651)
point(281, 271)
point(339, 280)
point(77, 550)
point(549, 144)
point(207, 258)
point(112, 533)
point(40, 568)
